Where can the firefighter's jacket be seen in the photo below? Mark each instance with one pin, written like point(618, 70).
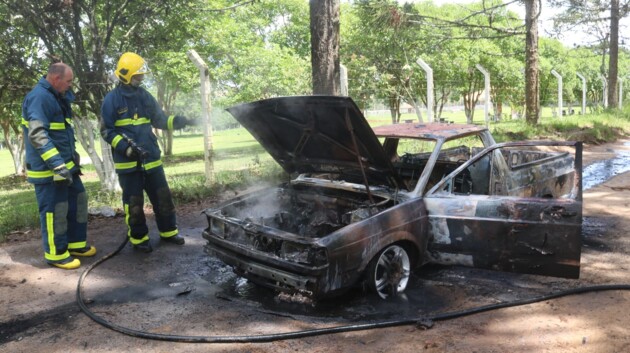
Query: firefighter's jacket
point(48, 132)
point(130, 113)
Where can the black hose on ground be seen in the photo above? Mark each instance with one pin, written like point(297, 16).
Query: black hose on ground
point(321, 331)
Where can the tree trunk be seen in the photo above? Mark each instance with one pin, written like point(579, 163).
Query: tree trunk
point(325, 46)
point(108, 176)
point(16, 147)
point(165, 100)
point(468, 109)
point(84, 130)
point(169, 143)
point(498, 109)
point(532, 81)
point(613, 98)
point(165, 140)
point(418, 110)
point(409, 98)
point(394, 108)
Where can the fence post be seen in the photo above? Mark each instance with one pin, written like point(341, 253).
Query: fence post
point(486, 81)
point(553, 72)
point(583, 92)
point(429, 72)
point(620, 91)
point(604, 93)
point(204, 78)
point(343, 78)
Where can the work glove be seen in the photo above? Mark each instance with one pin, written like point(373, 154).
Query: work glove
point(62, 175)
point(132, 153)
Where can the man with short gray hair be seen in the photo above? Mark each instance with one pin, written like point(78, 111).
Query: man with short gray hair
point(52, 165)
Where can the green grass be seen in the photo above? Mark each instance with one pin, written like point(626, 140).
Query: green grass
point(18, 205)
point(593, 129)
point(239, 160)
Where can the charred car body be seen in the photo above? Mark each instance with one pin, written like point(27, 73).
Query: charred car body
point(369, 205)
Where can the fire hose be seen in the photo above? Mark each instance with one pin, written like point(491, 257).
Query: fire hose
point(425, 321)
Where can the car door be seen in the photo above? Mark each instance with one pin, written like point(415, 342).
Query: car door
point(498, 212)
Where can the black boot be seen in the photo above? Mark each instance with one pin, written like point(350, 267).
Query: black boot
point(177, 239)
point(143, 247)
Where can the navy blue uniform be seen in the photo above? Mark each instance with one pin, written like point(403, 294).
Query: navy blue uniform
point(130, 112)
point(47, 128)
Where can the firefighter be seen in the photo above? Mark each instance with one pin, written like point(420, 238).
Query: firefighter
point(52, 165)
point(128, 115)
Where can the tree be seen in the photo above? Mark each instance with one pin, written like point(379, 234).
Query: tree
point(380, 49)
point(532, 80)
point(506, 67)
point(490, 20)
point(324, 27)
point(613, 98)
point(598, 19)
point(588, 64)
point(388, 38)
point(172, 75)
point(555, 56)
point(258, 51)
point(19, 74)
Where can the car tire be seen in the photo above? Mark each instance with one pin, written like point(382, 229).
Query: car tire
point(388, 272)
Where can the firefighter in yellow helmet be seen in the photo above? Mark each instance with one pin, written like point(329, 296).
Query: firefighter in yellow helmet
point(129, 65)
point(128, 116)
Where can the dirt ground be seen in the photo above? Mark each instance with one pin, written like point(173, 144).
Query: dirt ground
point(182, 291)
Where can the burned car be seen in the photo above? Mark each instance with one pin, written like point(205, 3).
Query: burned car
point(368, 205)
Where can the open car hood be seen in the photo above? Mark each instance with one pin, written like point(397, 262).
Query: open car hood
point(318, 134)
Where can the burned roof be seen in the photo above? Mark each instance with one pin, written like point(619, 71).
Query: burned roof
point(427, 131)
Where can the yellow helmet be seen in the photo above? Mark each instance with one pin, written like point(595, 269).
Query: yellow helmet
point(130, 64)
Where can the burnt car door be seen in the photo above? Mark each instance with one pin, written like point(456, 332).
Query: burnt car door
point(513, 207)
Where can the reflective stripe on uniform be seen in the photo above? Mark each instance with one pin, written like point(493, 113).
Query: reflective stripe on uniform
point(50, 153)
point(50, 230)
point(39, 174)
point(53, 126)
point(169, 123)
point(152, 165)
point(36, 174)
point(127, 219)
point(125, 122)
point(133, 241)
point(52, 257)
point(57, 126)
point(129, 165)
point(169, 234)
point(77, 245)
point(125, 165)
point(115, 140)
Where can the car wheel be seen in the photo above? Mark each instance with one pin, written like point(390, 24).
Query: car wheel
point(388, 273)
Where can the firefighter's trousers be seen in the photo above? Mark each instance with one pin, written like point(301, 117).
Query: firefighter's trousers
point(133, 186)
point(63, 217)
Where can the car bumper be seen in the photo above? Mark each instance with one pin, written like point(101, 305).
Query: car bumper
point(266, 269)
